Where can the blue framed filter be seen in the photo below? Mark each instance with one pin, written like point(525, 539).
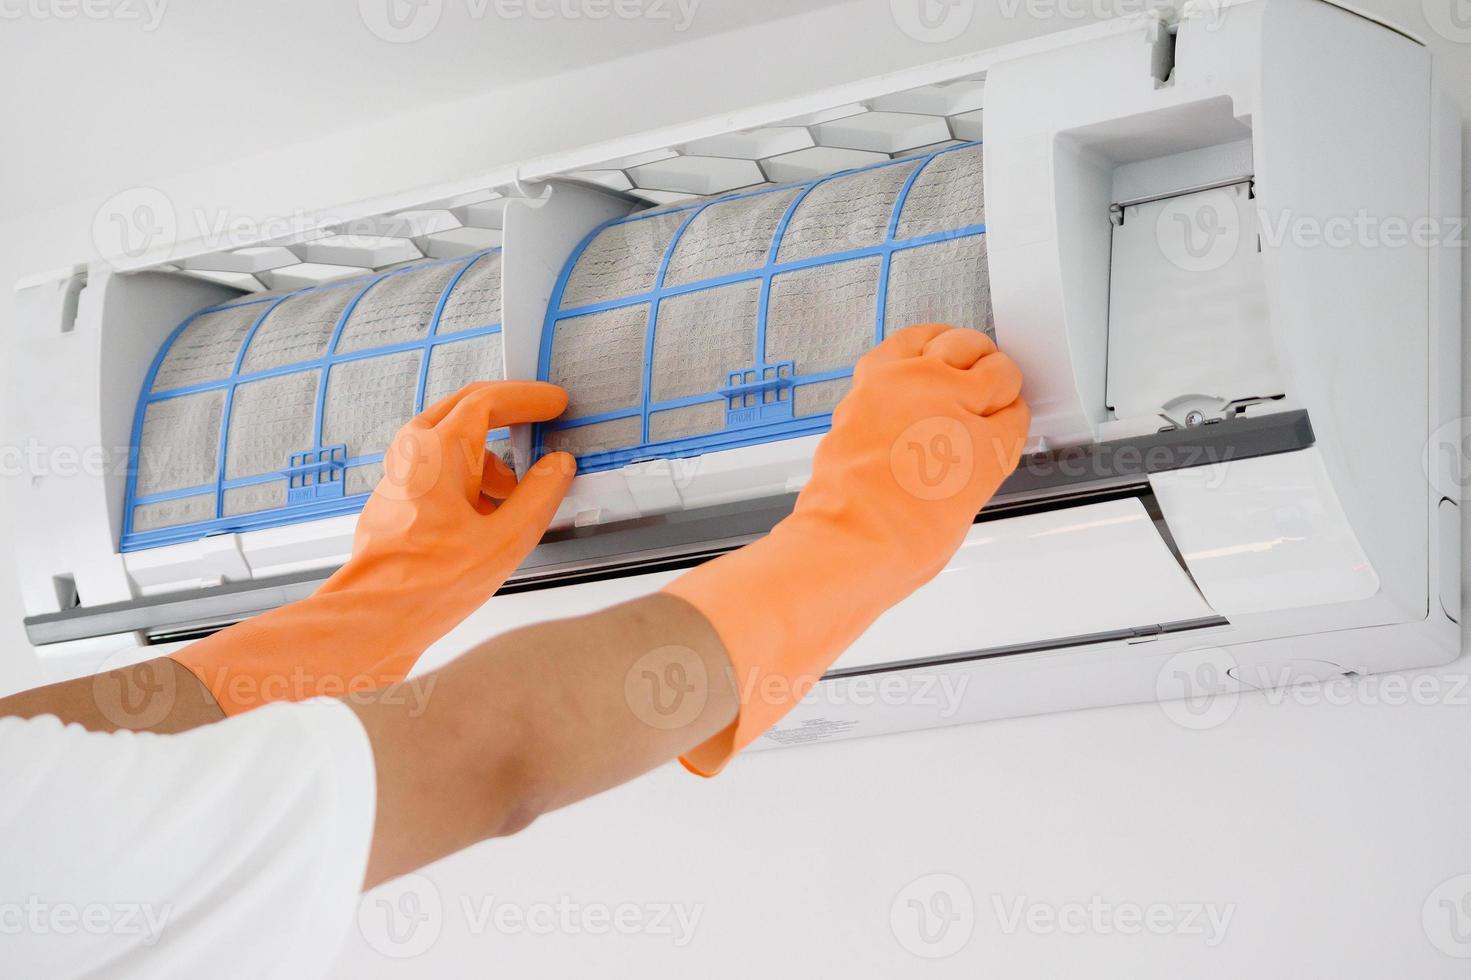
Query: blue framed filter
point(737, 320)
point(278, 408)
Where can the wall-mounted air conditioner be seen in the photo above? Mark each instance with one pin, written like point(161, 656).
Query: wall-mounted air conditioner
point(1236, 404)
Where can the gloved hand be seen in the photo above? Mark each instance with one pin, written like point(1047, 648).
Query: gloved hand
point(932, 426)
point(431, 546)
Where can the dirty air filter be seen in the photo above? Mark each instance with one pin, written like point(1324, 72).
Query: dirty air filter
point(236, 428)
point(737, 320)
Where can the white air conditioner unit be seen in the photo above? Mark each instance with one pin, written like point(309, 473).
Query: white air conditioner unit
point(1218, 245)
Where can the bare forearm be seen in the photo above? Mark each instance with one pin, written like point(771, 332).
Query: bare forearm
point(537, 719)
point(156, 695)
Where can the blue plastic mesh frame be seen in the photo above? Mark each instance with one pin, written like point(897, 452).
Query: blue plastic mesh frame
point(745, 433)
point(291, 513)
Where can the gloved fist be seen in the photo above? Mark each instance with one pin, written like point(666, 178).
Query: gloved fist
point(933, 425)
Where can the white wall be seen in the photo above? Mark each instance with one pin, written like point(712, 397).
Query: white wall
point(1321, 830)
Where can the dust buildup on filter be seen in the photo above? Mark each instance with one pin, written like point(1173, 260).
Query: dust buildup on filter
point(299, 328)
point(396, 309)
point(946, 282)
point(701, 418)
point(206, 349)
point(844, 213)
point(701, 336)
point(172, 513)
point(599, 437)
point(254, 497)
point(269, 420)
point(179, 446)
point(823, 317)
point(950, 193)
point(599, 359)
point(368, 400)
point(457, 363)
point(728, 237)
point(622, 260)
point(475, 301)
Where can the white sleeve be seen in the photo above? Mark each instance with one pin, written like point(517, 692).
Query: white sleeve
point(235, 850)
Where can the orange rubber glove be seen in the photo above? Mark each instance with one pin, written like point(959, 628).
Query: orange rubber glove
point(932, 426)
point(431, 546)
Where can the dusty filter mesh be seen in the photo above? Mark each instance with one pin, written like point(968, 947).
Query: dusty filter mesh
point(279, 407)
point(765, 302)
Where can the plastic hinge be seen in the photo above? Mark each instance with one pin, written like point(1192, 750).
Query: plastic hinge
point(316, 474)
point(758, 395)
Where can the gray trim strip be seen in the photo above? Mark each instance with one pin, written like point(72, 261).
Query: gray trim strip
point(1032, 646)
point(687, 537)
